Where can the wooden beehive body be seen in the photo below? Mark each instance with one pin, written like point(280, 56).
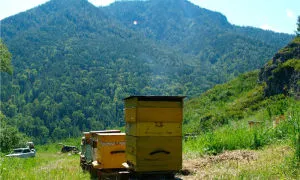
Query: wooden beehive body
point(154, 133)
point(110, 151)
point(94, 141)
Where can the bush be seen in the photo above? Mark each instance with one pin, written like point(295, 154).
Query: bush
point(10, 138)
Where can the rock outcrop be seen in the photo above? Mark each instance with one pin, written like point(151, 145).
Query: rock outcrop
point(282, 73)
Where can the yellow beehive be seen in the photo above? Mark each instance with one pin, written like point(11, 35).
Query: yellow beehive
point(146, 154)
point(154, 115)
point(154, 133)
point(110, 150)
point(94, 140)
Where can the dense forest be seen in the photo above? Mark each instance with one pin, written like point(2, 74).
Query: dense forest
point(74, 62)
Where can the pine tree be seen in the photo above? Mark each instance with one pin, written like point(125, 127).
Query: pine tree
point(5, 59)
point(298, 28)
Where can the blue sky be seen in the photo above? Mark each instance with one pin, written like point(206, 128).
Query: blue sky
point(276, 15)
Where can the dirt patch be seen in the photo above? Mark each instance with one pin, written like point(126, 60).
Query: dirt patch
point(209, 166)
point(239, 155)
point(233, 155)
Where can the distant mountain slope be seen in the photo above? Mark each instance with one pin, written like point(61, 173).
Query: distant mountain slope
point(74, 62)
point(200, 32)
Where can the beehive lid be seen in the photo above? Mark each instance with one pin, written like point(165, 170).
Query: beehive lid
point(154, 101)
point(157, 98)
point(111, 134)
point(105, 131)
point(116, 138)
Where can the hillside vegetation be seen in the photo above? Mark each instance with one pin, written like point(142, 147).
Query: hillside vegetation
point(243, 115)
point(74, 62)
point(262, 95)
point(221, 116)
point(253, 136)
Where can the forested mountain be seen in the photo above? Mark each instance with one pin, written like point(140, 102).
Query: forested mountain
point(74, 62)
point(199, 32)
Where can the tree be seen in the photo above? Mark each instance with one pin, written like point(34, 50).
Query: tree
point(5, 59)
point(10, 137)
point(298, 28)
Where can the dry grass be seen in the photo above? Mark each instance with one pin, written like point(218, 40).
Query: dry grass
point(269, 163)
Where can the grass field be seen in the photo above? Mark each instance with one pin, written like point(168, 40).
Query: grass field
point(273, 161)
point(46, 165)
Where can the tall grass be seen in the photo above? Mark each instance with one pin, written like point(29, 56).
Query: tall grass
point(226, 138)
point(43, 166)
point(294, 122)
point(239, 135)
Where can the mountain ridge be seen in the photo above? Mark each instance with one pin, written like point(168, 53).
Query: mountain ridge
point(195, 36)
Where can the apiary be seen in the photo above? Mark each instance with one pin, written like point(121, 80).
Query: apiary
point(154, 133)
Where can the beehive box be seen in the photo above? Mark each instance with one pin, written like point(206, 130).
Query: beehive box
point(146, 154)
point(154, 115)
point(154, 129)
point(154, 109)
point(110, 151)
point(94, 140)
